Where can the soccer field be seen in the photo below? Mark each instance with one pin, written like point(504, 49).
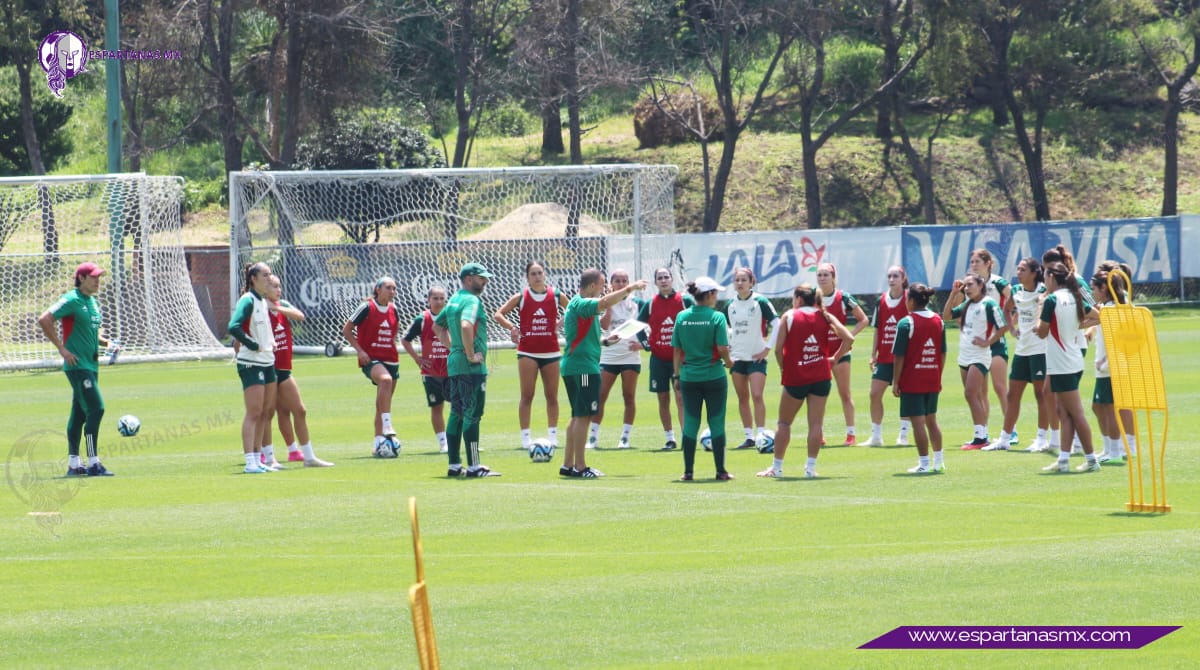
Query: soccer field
point(181, 561)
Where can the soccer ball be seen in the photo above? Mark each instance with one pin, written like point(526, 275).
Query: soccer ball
point(706, 439)
point(128, 425)
point(766, 442)
point(387, 447)
point(541, 451)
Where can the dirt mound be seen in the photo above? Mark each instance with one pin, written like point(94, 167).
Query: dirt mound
point(654, 127)
point(539, 220)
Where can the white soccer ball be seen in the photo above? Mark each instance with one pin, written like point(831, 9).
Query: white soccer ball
point(766, 442)
point(387, 447)
point(129, 425)
point(706, 439)
point(541, 451)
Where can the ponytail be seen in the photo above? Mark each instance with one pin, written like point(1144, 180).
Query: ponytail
point(251, 271)
point(1066, 279)
point(920, 294)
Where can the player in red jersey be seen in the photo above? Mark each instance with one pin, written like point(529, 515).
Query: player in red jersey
point(806, 371)
point(841, 305)
point(660, 312)
point(373, 330)
point(536, 337)
point(920, 356)
point(431, 360)
point(289, 407)
point(893, 306)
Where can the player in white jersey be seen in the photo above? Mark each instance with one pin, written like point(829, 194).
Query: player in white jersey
point(1029, 360)
point(998, 289)
point(619, 358)
point(1102, 396)
point(1065, 313)
point(751, 318)
point(981, 324)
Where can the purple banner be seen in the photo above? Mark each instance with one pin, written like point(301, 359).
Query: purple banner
point(1019, 637)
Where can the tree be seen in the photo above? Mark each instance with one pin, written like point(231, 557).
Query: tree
point(1174, 57)
point(806, 73)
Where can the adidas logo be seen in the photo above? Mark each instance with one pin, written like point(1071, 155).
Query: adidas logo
point(278, 327)
point(892, 319)
point(812, 339)
point(539, 312)
point(929, 342)
point(668, 321)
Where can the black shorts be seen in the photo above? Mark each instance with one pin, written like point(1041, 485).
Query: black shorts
point(435, 390)
point(618, 370)
point(1066, 382)
point(1030, 368)
point(583, 391)
point(542, 362)
point(749, 367)
point(818, 389)
point(660, 375)
point(918, 404)
point(393, 369)
point(884, 372)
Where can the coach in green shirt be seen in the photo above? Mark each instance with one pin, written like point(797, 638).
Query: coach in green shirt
point(581, 364)
point(462, 327)
point(701, 344)
point(79, 346)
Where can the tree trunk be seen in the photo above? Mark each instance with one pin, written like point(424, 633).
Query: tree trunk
point(552, 142)
point(812, 187)
point(129, 98)
point(891, 62)
point(999, 34)
point(712, 213)
point(571, 80)
point(922, 170)
point(1031, 151)
point(1170, 205)
point(462, 74)
point(292, 96)
point(33, 147)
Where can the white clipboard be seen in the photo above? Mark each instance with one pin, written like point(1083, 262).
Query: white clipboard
point(629, 329)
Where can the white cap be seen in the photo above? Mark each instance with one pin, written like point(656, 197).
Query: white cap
point(706, 284)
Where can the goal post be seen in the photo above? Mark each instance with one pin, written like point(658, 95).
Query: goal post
point(130, 225)
point(330, 235)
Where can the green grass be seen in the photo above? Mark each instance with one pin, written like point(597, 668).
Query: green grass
point(180, 561)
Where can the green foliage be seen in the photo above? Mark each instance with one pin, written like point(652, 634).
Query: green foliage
point(852, 68)
point(49, 116)
point(368, 140)
point(508, 119)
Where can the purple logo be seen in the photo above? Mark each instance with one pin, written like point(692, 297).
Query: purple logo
point(63, 54)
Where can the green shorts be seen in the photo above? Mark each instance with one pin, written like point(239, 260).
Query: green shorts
point(749, 367)
point(1000, 349)
point(542, 362)
point(1030, 368)
point(818, 389)
point(1103, 394)
point(843, 359)
point(1066, 382)
point(435, 390)
point(583, 392)
point(253, 375)
point(982, 368)
point(660, 375)
point(392, 368)
point(918, 404)
point(467, 395)
point(884, 372)
point(618, 370)
point(282, 376)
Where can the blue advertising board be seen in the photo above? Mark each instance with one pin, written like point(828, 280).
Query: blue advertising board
point(937, 255)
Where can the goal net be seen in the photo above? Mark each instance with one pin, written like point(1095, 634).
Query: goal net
point(128, 224)
point(330, 235)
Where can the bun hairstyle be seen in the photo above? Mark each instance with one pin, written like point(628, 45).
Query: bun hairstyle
point(1059, 254)
point(1035, 266)
point(920, 294)
point(810, 296)
point(251, 271)
point(696, 293)
point(1066, 279)
point(1109, 266)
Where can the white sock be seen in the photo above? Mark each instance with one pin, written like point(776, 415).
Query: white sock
point(552, 433)
point(386, 419)
point(1041, 435)
point(626, 429)
point(923, 461)
point(1076, 443)
point(749, 432)
point(1064, 455)
point(777, 464)
point(308, 451)
point(251, 461)
point(268, 452)
point(594, 431)
point(1132, 444)
point(810, 464)
point(849, 430)
point(905, 424)
point(670, 435)
point(293, 448)
point(937, 458)
point(93, 460)
point(980, 431)
point(759, 431)
point(441, 438)
point(526, 438)
point(877, 430)
point(75, 462)
point(1005, 436)
point(1055, 438)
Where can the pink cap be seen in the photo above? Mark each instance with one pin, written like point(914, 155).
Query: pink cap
point(88, 270)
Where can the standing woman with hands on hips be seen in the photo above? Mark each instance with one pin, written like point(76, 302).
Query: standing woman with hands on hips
point(538, 354)
point(997, 289)
point(893, 306)
point(250, 325)
point(980, 324)
point(750, 318)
